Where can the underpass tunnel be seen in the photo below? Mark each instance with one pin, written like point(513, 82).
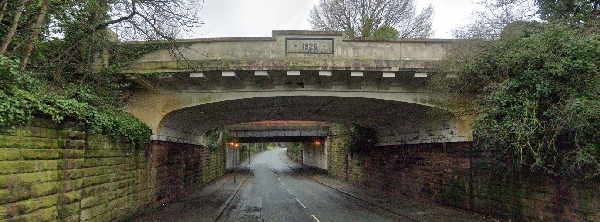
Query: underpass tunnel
point(182, 154)
point(394, 122)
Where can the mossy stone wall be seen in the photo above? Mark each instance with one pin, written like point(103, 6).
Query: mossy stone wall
point(58, 172)
point(338, 153)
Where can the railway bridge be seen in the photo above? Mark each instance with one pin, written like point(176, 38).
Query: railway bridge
point(319, 76)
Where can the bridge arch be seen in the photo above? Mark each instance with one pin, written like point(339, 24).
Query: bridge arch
point(395, 121)
point(369, 72)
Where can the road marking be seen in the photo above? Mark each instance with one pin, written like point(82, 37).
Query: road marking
point(290, 191)
point(300, 203)
point(315, 218)
point(278, 179)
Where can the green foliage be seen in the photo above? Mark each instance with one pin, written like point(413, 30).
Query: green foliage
point(217, 138)
point(25, 95)
point(386, 32)
point(15, 102)
point(295, 148)
point(569, 11)
point(359, 139)
point(540, 104)
point(72, 72)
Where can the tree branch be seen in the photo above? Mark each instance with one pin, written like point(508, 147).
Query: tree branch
point(130, 16)
point(13, 28)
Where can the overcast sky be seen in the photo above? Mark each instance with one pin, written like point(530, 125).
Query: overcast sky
point(257, 18)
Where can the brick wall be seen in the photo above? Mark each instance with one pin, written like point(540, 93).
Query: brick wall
point(531, 197)
point(182, 168)
point(445, 173)
point(337, 156)
point(54, 171)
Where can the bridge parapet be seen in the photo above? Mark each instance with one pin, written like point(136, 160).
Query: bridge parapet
point(296, 50)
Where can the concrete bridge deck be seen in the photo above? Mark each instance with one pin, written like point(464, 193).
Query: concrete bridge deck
point(295, 75)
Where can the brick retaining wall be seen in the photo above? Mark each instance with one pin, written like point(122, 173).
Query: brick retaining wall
point(444, 173)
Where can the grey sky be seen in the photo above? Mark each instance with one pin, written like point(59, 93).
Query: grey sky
point(245, 18)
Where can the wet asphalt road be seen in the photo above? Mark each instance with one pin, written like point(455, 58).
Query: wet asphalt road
point(276, 193)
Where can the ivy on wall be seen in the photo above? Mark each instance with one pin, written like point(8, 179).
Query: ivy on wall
point(26, 95)
point(359, 139)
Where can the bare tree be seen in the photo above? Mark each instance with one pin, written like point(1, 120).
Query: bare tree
point(362, 18)
point(493, 15)
point(152, 19)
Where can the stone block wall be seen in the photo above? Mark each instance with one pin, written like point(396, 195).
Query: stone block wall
point(52, 172)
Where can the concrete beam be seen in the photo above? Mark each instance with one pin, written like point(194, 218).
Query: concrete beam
point(324, 73)
point(261, 73)
point(293, 73)
point(388, 75)
point(420, 75)
point(197, 75)
point(356, 74)
point(228, 74)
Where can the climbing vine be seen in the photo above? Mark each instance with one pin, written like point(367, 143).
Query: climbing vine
point(359, 139)
point(216, 138)
point(24, 96)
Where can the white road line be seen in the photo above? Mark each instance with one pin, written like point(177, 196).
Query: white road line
point(278, 179)
point(282, 183)
point(300, 203)
point(290, 191)
point(315, 218)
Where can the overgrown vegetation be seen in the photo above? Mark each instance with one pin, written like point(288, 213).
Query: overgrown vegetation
point(360, 139)
point(24, 96)
point(60, 60)
point(537, 93)
point(217, 138)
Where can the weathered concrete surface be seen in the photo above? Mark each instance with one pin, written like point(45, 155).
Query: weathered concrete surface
point(396, 122)
point(272, 53)
point(374, 82)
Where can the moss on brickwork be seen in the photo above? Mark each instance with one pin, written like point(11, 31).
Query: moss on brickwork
point(25, 207)
point(339, 149)
point(28, 154)
point(12, 167)
point(46, 214)
point(15, 180)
